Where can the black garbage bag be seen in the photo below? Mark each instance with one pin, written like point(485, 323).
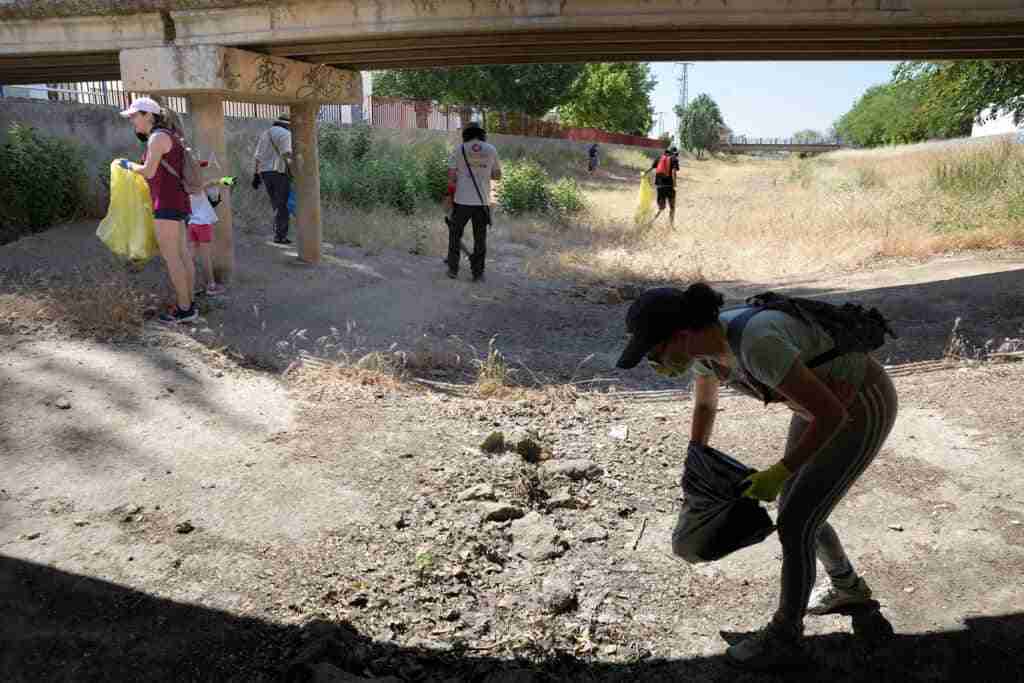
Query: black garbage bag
point(716, 519)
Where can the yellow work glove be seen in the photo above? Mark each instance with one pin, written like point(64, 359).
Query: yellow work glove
point(767, 484)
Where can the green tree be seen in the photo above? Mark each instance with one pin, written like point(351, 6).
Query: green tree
point(967, 88)
point(614, 97)
point(533, 89)
point(807, 135)
point(699, 124)
point(899, 112)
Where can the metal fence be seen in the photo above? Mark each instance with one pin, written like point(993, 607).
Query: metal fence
point(113, 94)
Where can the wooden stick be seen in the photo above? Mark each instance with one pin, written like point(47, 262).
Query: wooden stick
point(643, 527)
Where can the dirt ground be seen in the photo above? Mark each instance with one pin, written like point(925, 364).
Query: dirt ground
point(170, 512)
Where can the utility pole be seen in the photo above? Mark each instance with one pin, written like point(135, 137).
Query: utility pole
point(684, 82)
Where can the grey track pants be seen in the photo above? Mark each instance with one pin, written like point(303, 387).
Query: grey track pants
point(808, 498)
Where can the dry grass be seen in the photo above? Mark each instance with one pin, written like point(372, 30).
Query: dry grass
point(762, 219)
point(101, 303)
point(422, 233)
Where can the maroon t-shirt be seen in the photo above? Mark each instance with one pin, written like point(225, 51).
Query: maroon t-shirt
point(167, 191)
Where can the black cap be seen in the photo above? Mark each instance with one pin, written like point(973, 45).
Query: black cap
point(473, 130)
point(651, 320)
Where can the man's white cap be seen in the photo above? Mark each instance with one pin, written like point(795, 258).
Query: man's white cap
point(147, 104)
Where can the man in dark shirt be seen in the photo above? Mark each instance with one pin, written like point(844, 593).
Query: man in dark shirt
point(665, 169)
point(592, 164)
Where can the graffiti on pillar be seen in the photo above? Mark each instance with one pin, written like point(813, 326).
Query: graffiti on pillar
point(270, 75)
point(324, 83)
point(232, 79)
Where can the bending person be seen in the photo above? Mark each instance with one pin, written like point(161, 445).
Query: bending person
point(843, 412)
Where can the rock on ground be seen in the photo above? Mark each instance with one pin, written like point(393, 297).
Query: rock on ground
point(558, 593)
point(535, 538)
point(573, 469)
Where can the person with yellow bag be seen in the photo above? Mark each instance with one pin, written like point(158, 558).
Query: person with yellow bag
point(665, 169)
point(127, 229)
point(164, 170)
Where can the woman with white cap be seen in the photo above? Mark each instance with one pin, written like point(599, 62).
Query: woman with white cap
point(163, 168)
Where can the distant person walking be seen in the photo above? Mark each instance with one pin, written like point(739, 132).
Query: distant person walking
point(471, 168)
point(272, 161)
point(665, 169)
point(593, 160)
point(163, 167)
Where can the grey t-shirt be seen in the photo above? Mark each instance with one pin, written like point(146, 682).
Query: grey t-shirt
point(272, 146)
point(772, 341)
point(483, 159)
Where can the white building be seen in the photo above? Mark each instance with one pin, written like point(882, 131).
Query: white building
point(1001, 125)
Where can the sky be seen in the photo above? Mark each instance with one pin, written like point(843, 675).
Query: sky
point(769, 99)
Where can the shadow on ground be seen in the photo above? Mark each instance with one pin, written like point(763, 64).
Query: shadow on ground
point(61, 626)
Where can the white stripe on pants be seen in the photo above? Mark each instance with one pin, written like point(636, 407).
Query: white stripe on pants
point(808, 498)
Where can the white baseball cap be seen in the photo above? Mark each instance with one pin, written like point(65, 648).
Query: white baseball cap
point(146, 104)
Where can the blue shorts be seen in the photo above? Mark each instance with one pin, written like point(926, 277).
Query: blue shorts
point(171, 215)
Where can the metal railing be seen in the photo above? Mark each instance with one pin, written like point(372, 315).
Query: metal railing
point(780, 142)
point(113, 94)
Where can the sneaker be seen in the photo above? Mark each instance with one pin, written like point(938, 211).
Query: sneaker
point(770, 649)
point(213, 289)
point(828, 598)
point(282, 240)
point(180, 316)
point(452, 275)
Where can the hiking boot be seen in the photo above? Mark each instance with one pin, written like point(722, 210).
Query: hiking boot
point(828, 598)
point(180, 316)
point(770, 649)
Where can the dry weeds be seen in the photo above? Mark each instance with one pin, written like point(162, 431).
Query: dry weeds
point(99, 303)
point(762, 219)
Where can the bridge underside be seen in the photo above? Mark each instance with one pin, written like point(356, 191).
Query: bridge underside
point(45, 41)
point(736, 43)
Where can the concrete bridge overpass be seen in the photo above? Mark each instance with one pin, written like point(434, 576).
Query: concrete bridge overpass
point(300, 52)
point(80, 39)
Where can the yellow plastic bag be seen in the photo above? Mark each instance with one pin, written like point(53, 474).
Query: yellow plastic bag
point(127, 229)
point(644, 202)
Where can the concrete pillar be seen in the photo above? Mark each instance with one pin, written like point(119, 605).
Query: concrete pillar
point(208, 121)
point(306, 170)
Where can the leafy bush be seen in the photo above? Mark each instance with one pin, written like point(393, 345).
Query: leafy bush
point(42, 182)
point(979, 172)
point(356, 170)
point(565, 198)
point(524, 188)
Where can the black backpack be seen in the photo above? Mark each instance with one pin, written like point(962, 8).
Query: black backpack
point(853, 329)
